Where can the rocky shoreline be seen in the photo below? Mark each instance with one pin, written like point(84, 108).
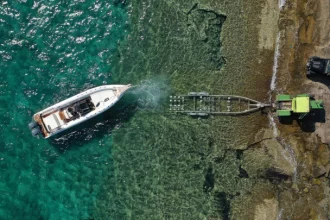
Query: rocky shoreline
point(298, 157)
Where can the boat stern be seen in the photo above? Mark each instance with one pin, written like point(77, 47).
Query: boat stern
point(37, 127)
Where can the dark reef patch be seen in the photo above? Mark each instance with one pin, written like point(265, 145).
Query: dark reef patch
point(243, 173)
point(223, 204)
point(209, 180)
point(239, 154)
point(207, 24)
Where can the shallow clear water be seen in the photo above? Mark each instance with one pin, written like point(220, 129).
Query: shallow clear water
point(135, 161)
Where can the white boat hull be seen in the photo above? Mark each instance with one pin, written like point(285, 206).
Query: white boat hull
point(77, 109)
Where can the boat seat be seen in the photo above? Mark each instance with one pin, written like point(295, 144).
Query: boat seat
point(67, 114)
point(57, 121)
point(62, 115)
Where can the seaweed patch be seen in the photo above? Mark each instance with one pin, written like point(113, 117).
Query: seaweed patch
point(207, 24)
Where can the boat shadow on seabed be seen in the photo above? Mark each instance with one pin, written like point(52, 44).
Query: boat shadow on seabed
point(97, 127)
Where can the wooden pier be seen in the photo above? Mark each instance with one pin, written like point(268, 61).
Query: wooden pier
point(203, 104)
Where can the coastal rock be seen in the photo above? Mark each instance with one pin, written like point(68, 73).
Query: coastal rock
point(267, 210)
point(256, 162)
point(316, 181)
point(271, 159)
point(327, 168)
point(269, 18)
point(262, 135)
point(319, 171)
point(283, 158)
point(303, 206)
point(265, 134)
point(306, 30)
point(308, 198)
point(322, 92)
point(260, 203)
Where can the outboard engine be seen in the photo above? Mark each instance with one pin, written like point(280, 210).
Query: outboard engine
point(35, 131)
point(33, 124)
point(35, 128)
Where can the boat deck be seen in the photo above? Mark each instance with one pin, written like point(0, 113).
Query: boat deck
point(104, 96)
point(55, 120)
point(76, 109)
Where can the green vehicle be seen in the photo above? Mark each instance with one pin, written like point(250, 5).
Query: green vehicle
point(300, 105)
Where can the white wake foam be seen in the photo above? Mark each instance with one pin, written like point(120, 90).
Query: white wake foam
point(281, 4)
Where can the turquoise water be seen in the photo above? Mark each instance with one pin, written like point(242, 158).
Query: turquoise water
point(51, 50)
point(136, 161)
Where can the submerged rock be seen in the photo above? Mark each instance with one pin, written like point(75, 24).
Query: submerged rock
point(283, 160)
point(271, 159)
point(259, 203)
point(267, 210)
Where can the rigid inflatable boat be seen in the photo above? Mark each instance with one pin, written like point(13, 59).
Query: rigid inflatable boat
point(75, 110)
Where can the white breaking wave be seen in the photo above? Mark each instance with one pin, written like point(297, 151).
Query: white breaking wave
point(281, 3)
point(277, 54)
point(292, 158)
point(273, 125)
point(151, 93)
point(275, 67)
point(279, 216)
